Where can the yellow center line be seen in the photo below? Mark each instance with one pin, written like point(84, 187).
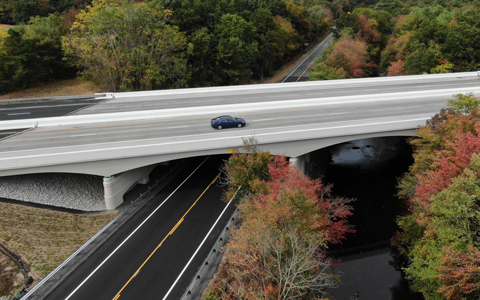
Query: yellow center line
point(246, 114)
point(305, 70)
point(170, 233)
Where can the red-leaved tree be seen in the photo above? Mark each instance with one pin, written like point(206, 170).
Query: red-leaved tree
point(279, 251)
point(397, 68)
point(351, 55)
point(460, 273)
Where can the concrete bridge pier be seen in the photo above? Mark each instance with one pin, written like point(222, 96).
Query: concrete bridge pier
point(300, 161)
point(116, 186)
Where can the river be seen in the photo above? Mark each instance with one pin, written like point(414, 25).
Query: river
point(367, 170)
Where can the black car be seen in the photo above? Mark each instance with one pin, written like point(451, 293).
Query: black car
point(226, 122)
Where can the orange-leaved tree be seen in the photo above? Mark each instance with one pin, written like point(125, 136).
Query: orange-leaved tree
point(440, 234)
point(279, 250)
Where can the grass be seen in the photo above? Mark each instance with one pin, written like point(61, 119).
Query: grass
point(43, 238)
point(67, 87)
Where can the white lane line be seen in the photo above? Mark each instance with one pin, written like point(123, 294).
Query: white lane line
point(121, 244)
point(14, 114)
point(44, 106)
point(261, 120)
point(173, 127)
point(198, 249)
point(86, 134)
point(339, 113)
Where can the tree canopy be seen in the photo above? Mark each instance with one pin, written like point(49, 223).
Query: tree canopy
point(409, 38)
point(278, 252)
point(125, 45)
point(439, 235)
point(33, 54)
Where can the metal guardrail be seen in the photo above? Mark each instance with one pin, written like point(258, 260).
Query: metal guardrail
point(200, 276)
point(148, 191)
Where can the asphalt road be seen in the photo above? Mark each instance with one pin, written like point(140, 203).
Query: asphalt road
point(144, 258)
point(42, 109)
point(301, 71)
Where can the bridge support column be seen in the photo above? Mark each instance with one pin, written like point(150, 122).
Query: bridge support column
point(116, 186)
point(300, 161)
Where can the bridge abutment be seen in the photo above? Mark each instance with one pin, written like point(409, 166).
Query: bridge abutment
point(116, 186)
point(300, 161)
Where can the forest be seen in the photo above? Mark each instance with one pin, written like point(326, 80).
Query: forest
point(393, 38)
point(127, 45)
point(441, 190)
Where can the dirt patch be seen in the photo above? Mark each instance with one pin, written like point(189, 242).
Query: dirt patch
point(5, 27)
point(8, 275)
point(42, 240)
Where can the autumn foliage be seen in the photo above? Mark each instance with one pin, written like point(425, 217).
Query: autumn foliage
point(348, 58)
point(279, 250)
point(441, 190)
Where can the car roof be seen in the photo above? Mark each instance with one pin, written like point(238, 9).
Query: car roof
point(224, 116)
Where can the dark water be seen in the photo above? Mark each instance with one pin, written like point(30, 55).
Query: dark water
point(368, 170)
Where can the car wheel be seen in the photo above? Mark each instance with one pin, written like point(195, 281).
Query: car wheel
point(219, 127)
point(239, 125)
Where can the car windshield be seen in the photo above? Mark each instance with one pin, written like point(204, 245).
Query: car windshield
point(224, 119)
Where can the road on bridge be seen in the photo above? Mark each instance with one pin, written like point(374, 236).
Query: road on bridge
point(298, 104)
point(144, 258)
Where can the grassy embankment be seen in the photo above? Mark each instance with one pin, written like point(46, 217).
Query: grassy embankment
point(43, 238)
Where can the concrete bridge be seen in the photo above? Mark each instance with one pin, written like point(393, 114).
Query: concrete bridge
point(128, 134)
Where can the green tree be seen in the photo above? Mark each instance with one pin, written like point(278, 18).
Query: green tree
point(321, 17)
point(32, 54)
point(464, 104)
point(203, 64)
point(461, 46)
point(247, 168)
point(124, 45)
point(237, 48)
point(6, 12)
point(266, 31)
point(422, 59)
point(23, 10)
point(320, 71)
